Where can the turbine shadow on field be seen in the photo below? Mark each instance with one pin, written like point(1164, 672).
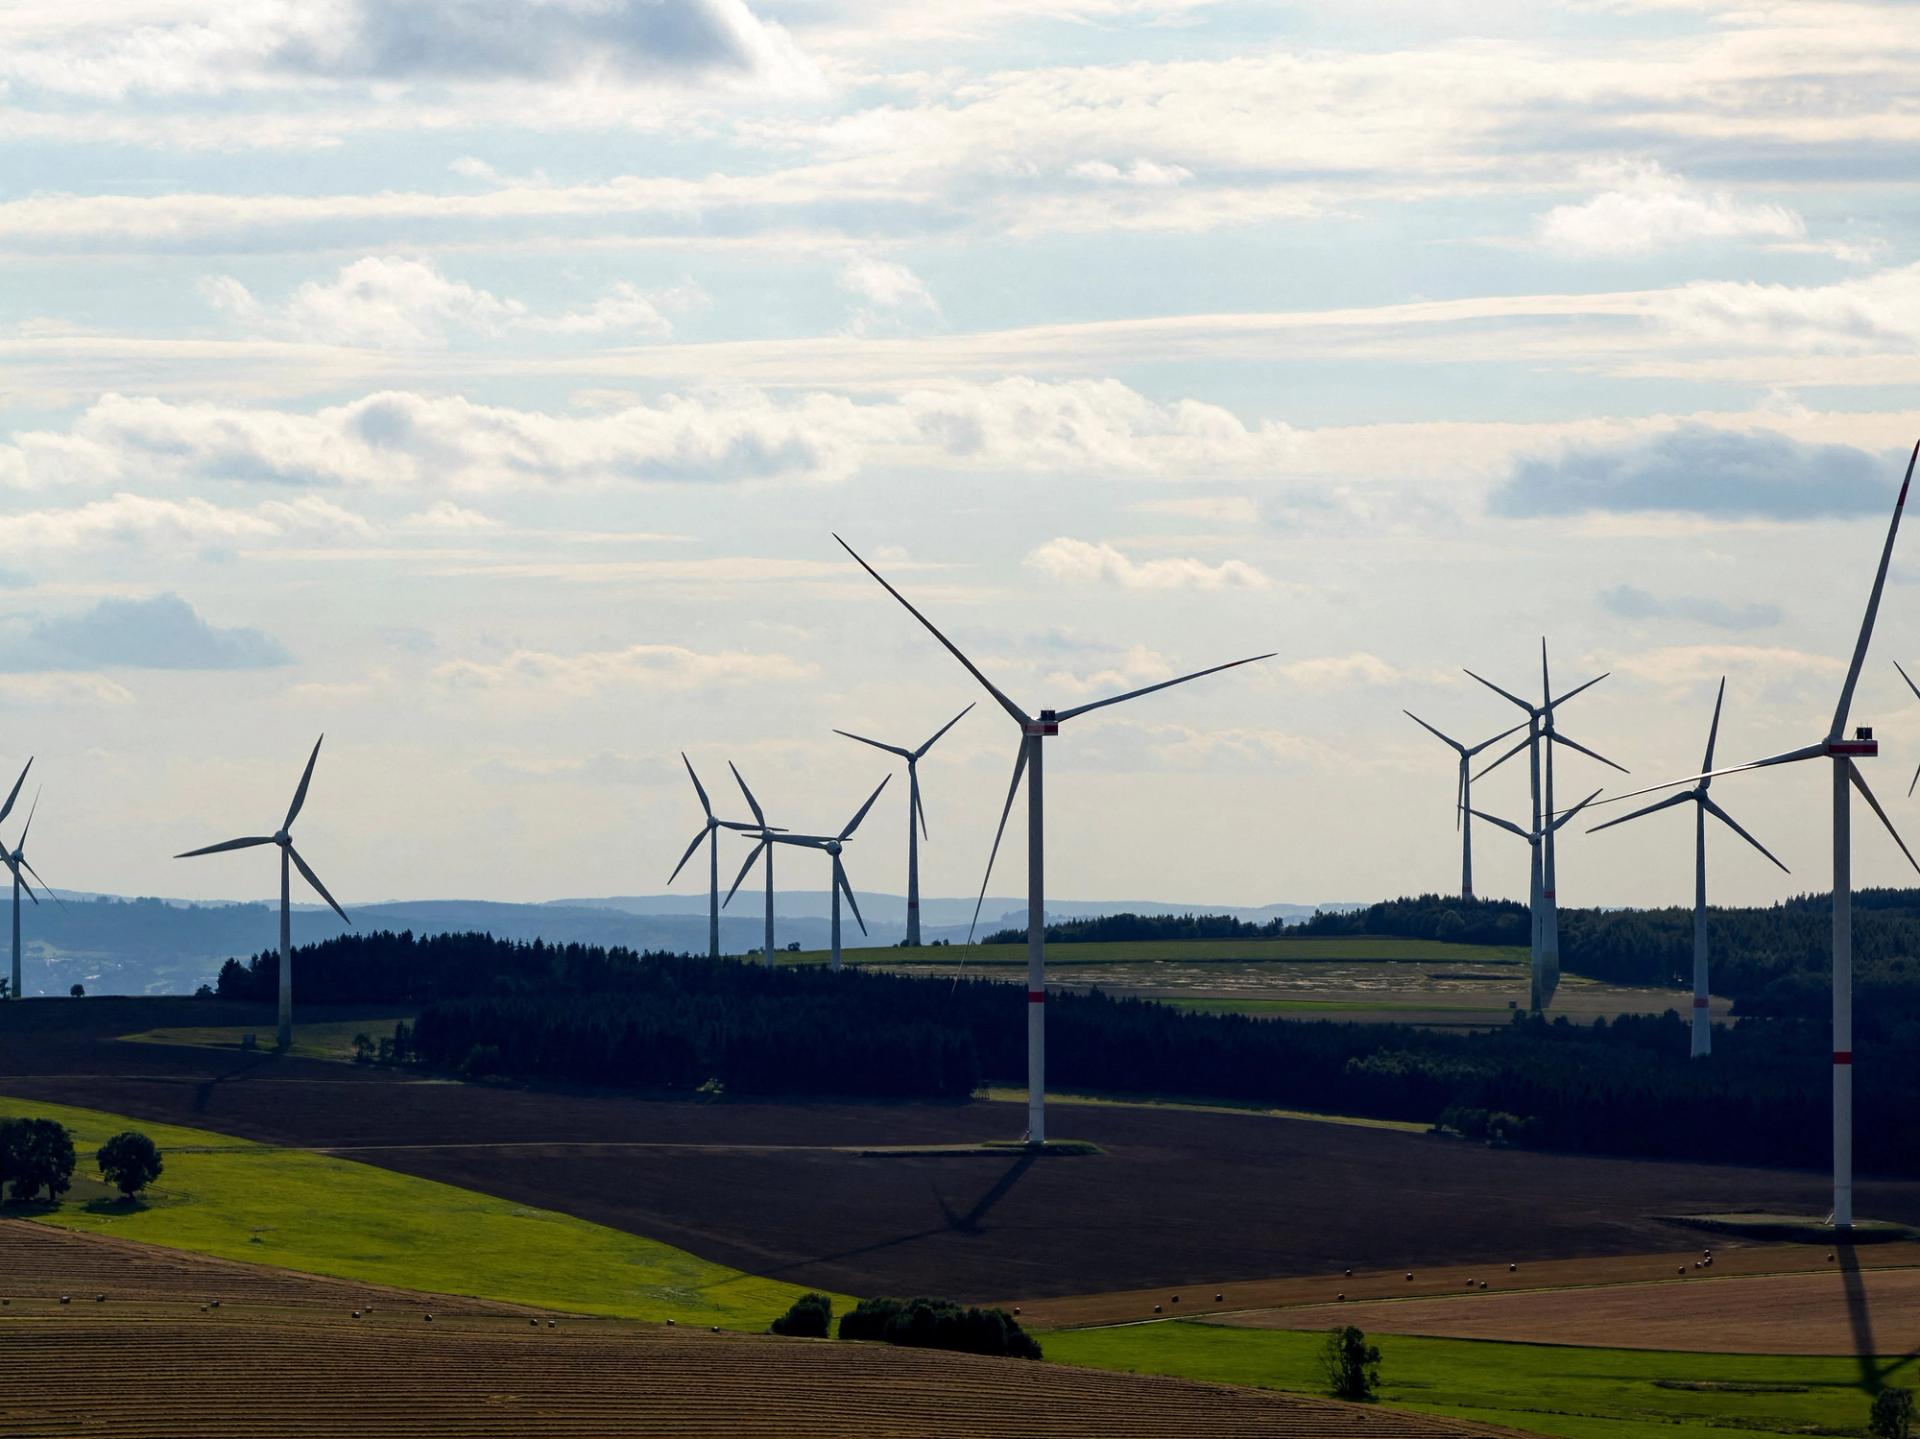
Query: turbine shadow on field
point(1874, 1373)
point(203, 1091)
point(970, 1222)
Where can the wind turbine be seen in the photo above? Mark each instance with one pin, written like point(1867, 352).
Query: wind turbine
point(1543, 736)
point(283, 837)
point(1841, 753)
point(1462, 794)
point(762, 845)
point(1032, 731)
point(832, 844)
point(1535, 837)
point(915, 812)
point(710, 832)
point(1703, 806)
point(13, 863)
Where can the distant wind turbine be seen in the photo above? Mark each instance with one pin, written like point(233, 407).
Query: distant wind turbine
point(1703, 806)
point(916, 815)
point(761, 846)
point(1462, 794)
point(1540, 992)
point(1032, 731)
point(832, 845)
point(13, 863)
point(710, 832)
point(1841, 753)
point(1542, 736)
point(283, 837)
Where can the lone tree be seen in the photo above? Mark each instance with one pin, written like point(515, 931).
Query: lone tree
point(78, 991)
point(1892, 1415)
point(129, 1162)
point(36, 1154)
point(811, 1317)
point(1352, 1365)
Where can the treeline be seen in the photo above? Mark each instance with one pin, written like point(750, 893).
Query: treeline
point(616, 1018)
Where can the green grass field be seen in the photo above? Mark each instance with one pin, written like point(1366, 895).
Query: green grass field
point(1577, 1393)
point(300, 1210)
point(1354, 950)
point(332, 1039)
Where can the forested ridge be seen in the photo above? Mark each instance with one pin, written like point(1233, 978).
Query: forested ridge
point(617, 1018)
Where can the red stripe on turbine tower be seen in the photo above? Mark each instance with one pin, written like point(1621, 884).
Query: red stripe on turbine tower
point(1699, 1001)
point(1036, 996)
point(1843, 1056)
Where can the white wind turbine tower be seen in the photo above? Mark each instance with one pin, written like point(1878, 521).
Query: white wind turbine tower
point(13, 863)
point(1703, 806)
point(283, 837)
point(1841, 753)
point(765, 832)
point(1029, 757)
point(915, 813)
point(710, 832)
point(1462, 794)
point(832, 844)
point(1542, 736)
point(1536, 839)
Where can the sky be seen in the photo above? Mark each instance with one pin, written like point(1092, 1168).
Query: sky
point(482, 382)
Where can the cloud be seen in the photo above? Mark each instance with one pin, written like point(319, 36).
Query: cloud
point(1648, 209)
point(641, 667)
point(1219, 509)
point(58, 689)
point(888, 293)
point(445, 517)
point(1875, 312)
point(393, 301)
point(1632, 603)
point(1140, 172)
point(143, 522)
point(1080, 562)
point(1699, 470)
point(163, 632)
point(1333, 672)
point(1692, 664)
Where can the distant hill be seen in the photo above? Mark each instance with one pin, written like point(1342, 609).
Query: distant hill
point(114, 945)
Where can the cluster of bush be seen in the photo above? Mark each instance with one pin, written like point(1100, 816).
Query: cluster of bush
point(920, 1323)
point(37, 1161)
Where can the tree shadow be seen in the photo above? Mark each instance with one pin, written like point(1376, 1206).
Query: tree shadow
point(116, 1204)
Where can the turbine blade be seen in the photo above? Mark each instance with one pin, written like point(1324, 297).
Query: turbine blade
point(705, 831)
point(1444, 739)
point(889, 748)
point(300, 795)
point(1503, 693)
point(1729, 821)
point(1908, 678)
point(1668, 803)
point(1713, 732)
point(1912, 782)
point(1576, 690)
point(1860, 783)
point(24, 885)
point(1006, 704)
point(1164, 684)
point(1812, 751)
point(854, 823)
point(840, 878)
point(920, 809)
point(1475, 749)
point(737, 879)
point(1019, 768)
point(27, 828)
point(698, 788)
point(246, 843)
point(752, 803)
point(43, 884)
point(313, 879)
point(1460, 794)
point(1505, 824)
point(1505, 757)
point(1873, 609)
point(942, 730)
point(1569, 814)
point(1559, 738)
point(12, 795)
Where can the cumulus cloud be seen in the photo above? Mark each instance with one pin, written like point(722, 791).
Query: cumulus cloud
point(1646, 208)
point(1693, 664)
point(1874, 312)
point(1699, 470)
point(643, 667)
point(1333, 672)
point(1629, 602)
point(1081, 562)
point(399, 439)
point(888, 292)
point(445, 517)
point(400, 302)
point(143, 521)
point(163, 632)
point(1140, 172)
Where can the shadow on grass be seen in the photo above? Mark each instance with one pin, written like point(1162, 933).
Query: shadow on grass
point(116, 1204)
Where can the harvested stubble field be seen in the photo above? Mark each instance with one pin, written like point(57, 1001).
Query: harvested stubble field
point(769, 1188)
point(283, 1354)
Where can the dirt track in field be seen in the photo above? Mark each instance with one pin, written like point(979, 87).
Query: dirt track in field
point(283, 1354)
point(1843, 1311)
point(1176, 1194)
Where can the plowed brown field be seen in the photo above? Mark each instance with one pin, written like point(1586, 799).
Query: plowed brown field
point(282, 1354)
